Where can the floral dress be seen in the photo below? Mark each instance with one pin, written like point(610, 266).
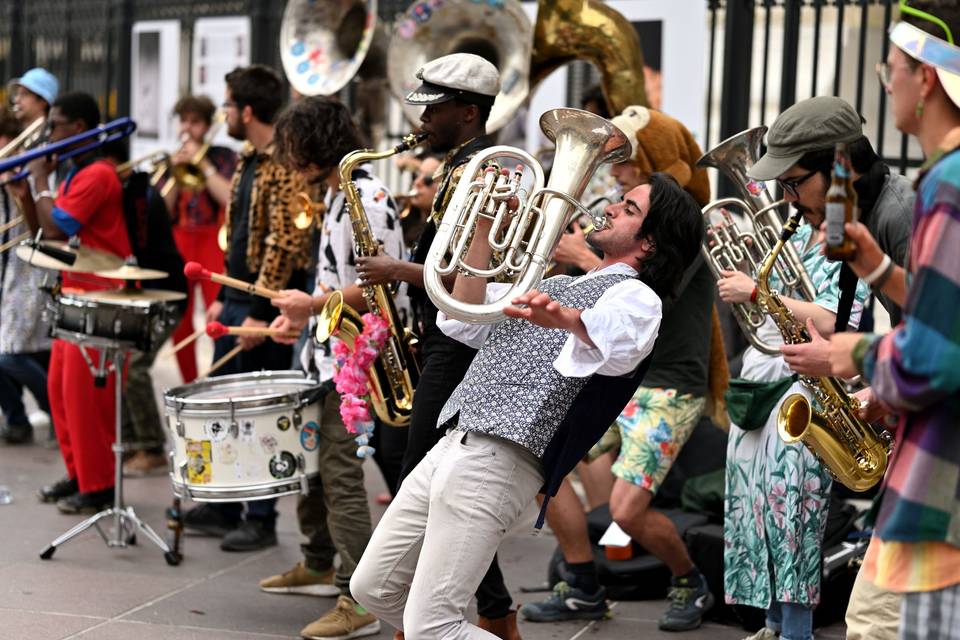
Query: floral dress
point(777, 494)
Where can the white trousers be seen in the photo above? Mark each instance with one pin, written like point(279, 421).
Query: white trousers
point(434, 544)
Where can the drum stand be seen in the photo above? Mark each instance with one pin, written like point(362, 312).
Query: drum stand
point(125, 521)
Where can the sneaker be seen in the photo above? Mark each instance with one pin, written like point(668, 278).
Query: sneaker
point(144, 463)
point(567, 603)
point(86, 503)
point(207, 519)
point(302, 580)
point(765, 633)
point(347, 620)
point(60, 489)
point(18, 434)
point(251, 535)
point(690, 598)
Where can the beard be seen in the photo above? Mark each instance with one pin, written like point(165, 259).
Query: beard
point(237, 131)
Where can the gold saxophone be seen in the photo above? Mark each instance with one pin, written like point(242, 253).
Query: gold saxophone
point(852, 451)
point(396, 371)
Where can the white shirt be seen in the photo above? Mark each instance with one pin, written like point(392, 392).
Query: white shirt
point(623, 325)
point(336, 268)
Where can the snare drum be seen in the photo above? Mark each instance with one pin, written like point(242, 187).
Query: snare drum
point(128, 318)
point(245, 437)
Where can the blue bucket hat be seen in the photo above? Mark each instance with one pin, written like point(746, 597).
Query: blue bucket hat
point(41, 82)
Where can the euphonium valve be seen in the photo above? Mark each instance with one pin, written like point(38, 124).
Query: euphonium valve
point(523, 240)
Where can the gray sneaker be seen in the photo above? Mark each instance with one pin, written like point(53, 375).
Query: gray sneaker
point(690, 598)
point(567, 603)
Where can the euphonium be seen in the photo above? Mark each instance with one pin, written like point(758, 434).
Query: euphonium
point(395, 372)
point(523, 241)
point(728, 248)
point(849, 447)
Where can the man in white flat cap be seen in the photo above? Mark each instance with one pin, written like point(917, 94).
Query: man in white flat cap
point(457, 91)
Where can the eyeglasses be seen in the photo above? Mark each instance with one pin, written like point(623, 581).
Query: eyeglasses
point(790, 185)
point(885, 72)
point(427, 180)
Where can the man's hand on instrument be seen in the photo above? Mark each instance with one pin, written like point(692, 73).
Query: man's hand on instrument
point(378, 269)
point(735, 286)
point(18, 190)
point(871, 408)
point(40, 169)
point(841, 353)
point(285, 324)
point(214, 311)
point(809, 358)
point(185, 154)
point(249, 342)
point(295, 304)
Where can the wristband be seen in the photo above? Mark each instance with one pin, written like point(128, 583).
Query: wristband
point(46, 193)
point(882, 280)
point(875, 275)
point(753, 296)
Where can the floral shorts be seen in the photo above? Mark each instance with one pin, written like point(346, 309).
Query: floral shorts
point(650, 432)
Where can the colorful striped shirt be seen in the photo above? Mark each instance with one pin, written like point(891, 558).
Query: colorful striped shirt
point(915, 369)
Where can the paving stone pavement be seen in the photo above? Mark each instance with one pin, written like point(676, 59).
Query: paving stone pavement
point(93, 592)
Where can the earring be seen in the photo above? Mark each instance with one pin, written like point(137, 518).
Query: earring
point(919, 109)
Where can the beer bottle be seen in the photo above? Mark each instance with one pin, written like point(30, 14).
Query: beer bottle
point(841, 207)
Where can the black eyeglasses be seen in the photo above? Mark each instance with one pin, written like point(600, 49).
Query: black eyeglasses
point(790, 185)
point(427, 181)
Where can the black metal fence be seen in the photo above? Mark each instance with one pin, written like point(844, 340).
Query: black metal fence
point(825, 47)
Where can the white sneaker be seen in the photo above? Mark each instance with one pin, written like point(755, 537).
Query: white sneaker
point(765, 633)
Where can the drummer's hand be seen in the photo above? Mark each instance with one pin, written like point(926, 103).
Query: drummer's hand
point(295, 304)
point(378, 269)
point(249, 342)
point(283, 323)
point(213, 311)
point(735, 286)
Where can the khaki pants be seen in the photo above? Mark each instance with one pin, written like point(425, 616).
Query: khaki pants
point(437, 538)
point(873, 613)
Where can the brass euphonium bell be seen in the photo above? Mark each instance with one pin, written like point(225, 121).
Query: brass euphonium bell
point(307, 212)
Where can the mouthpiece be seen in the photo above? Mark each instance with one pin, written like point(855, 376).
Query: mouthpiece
point(195, 271)
point(215, 329)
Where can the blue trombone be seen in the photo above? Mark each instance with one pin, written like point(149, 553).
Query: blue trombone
point(98, 136)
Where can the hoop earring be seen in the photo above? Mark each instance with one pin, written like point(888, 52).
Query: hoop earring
point(919, 109)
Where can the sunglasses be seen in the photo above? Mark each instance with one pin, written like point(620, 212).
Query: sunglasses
point(790, 185)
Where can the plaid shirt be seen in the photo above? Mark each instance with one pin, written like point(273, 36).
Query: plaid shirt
point(916, 369)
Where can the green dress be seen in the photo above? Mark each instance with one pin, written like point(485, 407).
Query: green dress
point(777, 494)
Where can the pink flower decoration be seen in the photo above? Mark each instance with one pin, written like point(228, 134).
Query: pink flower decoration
point(352, 375)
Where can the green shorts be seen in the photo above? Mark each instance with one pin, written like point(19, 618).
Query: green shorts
point(649, 434)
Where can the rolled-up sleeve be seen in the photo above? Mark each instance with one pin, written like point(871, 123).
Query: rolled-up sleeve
point(471, 334)
point(623, 326)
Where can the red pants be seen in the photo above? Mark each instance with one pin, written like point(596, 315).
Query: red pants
point(198, 244)
point(83, 416)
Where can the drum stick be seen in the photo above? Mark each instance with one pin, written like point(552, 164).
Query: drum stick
point(222, 361)
point(180, 345)
point(216, 330)
point(14, 242)
point(196, 271)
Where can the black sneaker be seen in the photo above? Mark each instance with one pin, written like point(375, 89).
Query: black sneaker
point(567, 603)
point(690, 598)
point(207, 519)
point(251, 535)
point(18, 434)
point(58, 490)
point(86, 503)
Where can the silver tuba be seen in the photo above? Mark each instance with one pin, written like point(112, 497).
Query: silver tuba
point(323, 44)
point(522, 242)
point(497, 31)
point(727, 247)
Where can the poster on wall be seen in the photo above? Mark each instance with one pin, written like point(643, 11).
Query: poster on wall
point(220, 45)
point(153, 82)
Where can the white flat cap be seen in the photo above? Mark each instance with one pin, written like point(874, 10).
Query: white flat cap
point(458, 76)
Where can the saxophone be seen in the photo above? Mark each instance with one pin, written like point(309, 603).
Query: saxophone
point(396, 371)
point(852, 451)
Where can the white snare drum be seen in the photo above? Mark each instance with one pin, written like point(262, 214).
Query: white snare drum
point(130, 318)
point(248, 436)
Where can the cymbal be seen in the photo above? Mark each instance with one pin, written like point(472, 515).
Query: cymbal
point(133, 296)
point(86, 259)
point(132, 272)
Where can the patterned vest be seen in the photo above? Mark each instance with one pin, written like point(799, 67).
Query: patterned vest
point(512, 390)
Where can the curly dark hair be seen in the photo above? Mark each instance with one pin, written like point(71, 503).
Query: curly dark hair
point(675, 226)
point(258, 86)
point(316, 130)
